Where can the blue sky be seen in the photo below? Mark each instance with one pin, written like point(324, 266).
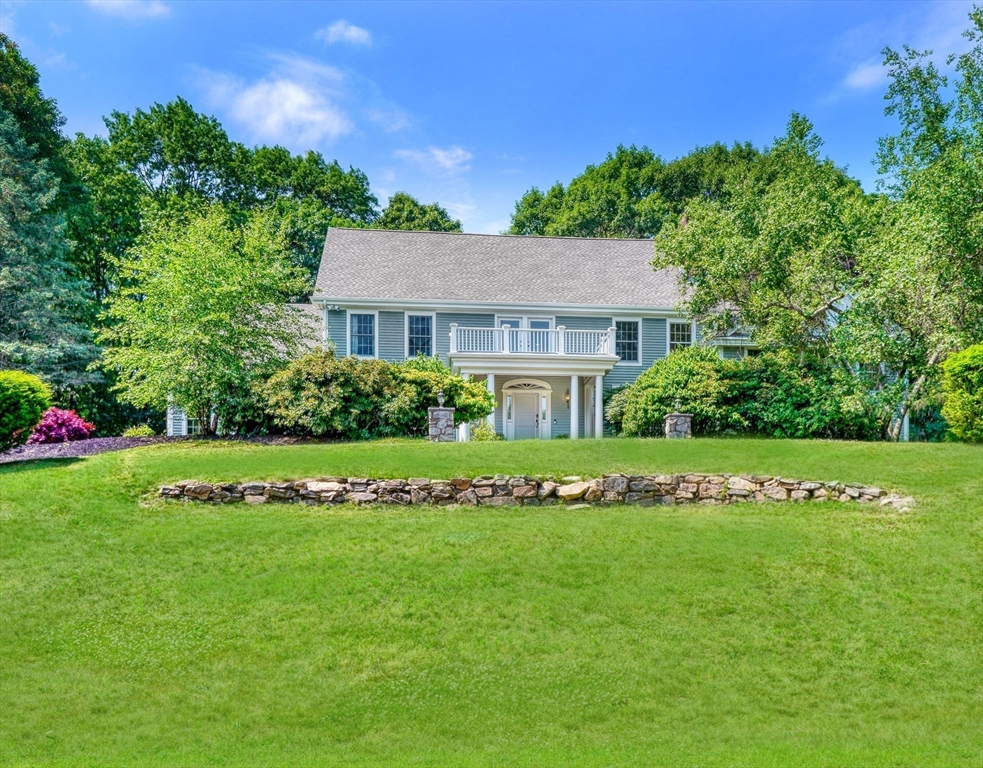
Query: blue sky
point(472, 104)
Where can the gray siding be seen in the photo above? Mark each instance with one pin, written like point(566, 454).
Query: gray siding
point(654, 340)
point(576, 323)
point(391, 342)
point(444, 320)
point(653, 348)
point(337, 330)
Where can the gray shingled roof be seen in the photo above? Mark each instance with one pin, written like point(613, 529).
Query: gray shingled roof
point(441, 266)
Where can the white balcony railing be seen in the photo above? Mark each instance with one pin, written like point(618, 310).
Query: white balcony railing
point(533, 341)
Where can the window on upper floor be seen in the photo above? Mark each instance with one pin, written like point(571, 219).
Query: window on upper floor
point(680, 335)
point(626, 340)
point(362, 335)
point(419, 335)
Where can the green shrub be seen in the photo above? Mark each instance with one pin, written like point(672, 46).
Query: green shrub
point(773, 395)
point(962, 394)
point(141, 430)
point(427, 376)
point(484, 432)
point(353, 399)
point(693, 376)
point(777, 395)
point(23, 400)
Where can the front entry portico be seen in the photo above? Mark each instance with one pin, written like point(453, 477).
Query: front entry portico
point(543, 407)
point(546, 382)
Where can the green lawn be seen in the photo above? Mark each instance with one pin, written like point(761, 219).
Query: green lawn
point(134, 632)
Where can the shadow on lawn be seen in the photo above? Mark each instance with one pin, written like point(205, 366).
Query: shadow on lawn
point(26, 465)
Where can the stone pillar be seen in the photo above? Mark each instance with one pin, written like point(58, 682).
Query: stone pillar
point(574, 408)
point(679, 424)
point(441, 425)
point(491, 388)
point(598, 406)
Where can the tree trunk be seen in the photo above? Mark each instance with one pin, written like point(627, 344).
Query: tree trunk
point(205, 419)
point(896, 423)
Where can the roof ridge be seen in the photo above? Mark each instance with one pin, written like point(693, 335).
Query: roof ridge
point(487, 234)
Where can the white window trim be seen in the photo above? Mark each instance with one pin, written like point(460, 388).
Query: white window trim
point(524, 319)
point(641, 325)
point(406, 331)
point(692, 331)
point(348, 333)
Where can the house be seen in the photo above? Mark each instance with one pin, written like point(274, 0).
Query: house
point(548, 323)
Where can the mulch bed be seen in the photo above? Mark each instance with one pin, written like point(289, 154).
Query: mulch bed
point(95, 445)
point(78, 448)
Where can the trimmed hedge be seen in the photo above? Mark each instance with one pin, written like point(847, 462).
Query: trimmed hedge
point(962, 394)
point(23, 400)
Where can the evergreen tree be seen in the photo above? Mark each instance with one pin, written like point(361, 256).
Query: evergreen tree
point(38, 294)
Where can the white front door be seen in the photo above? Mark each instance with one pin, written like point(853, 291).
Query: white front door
point(526, 405)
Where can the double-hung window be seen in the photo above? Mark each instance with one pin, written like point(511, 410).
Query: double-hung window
point(680, 335)
point(626, 340)
point(419, 335)
point(361, 337)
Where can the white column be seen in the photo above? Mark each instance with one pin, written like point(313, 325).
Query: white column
point(491, 388)
point(598, 406)
point(574, 408)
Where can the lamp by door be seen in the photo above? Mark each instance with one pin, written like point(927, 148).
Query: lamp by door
point(566, 397)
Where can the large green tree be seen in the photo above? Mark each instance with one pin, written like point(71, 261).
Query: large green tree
point(172, 158)
point(882, 286)
point(922, 294)
point(39, 295)
point(200, 308)
point(37, 116)
point(777, 252)
point(307, 195)
point(405, 212)
point(633, 193)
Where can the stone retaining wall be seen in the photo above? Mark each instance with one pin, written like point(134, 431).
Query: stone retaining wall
point(521, 490)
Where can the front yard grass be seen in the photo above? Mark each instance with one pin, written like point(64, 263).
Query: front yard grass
point(134, 632)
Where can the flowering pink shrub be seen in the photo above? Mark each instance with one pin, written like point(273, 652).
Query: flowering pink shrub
point(58, 426)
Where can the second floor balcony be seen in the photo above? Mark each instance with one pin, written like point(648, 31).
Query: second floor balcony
point(532, 341)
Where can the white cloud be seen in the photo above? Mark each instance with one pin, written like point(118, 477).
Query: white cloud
point(435, 160)
point(937, 27)
point(460, 210)
point(391, 121)
point(295, 105)
point(7, 19)
point(132, 9)
point(864, 76)
point(343, 32)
